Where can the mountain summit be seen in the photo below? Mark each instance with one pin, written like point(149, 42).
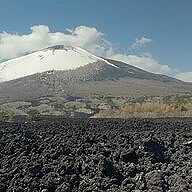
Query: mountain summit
point(59, 58)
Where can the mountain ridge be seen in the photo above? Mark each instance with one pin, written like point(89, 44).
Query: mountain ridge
point(100, 76)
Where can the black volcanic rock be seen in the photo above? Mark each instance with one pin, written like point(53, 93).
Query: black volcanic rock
point(96, 155)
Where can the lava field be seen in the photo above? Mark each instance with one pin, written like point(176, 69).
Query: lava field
point(95, 155)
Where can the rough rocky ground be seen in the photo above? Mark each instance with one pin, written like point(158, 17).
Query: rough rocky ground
point(96, 155)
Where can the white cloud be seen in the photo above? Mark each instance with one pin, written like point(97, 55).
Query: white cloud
point(185, 76)
point(144, 62)
point(139, 42)
point(13, 45)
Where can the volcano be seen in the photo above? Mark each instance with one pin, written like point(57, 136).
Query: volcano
point(67, 70)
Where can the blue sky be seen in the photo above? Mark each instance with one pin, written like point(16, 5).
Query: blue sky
point(167, 23)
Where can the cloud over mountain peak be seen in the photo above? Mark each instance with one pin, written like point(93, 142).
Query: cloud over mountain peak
point(86, 37)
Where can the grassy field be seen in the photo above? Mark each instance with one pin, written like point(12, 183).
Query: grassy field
point(146, 110)
point(101, 106)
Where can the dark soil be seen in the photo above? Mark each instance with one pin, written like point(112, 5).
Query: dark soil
point(96, 155)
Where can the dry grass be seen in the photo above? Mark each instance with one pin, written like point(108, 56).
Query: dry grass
point(149, 110)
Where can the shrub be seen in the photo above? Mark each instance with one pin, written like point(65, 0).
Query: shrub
point(32, 113)
point(5, 116)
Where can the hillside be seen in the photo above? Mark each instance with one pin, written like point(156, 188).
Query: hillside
point(62, 74)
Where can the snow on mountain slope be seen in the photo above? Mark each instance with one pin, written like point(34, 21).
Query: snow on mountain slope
point(58, 57)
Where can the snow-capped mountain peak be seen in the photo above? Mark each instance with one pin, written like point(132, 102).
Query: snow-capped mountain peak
point(58, 57)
